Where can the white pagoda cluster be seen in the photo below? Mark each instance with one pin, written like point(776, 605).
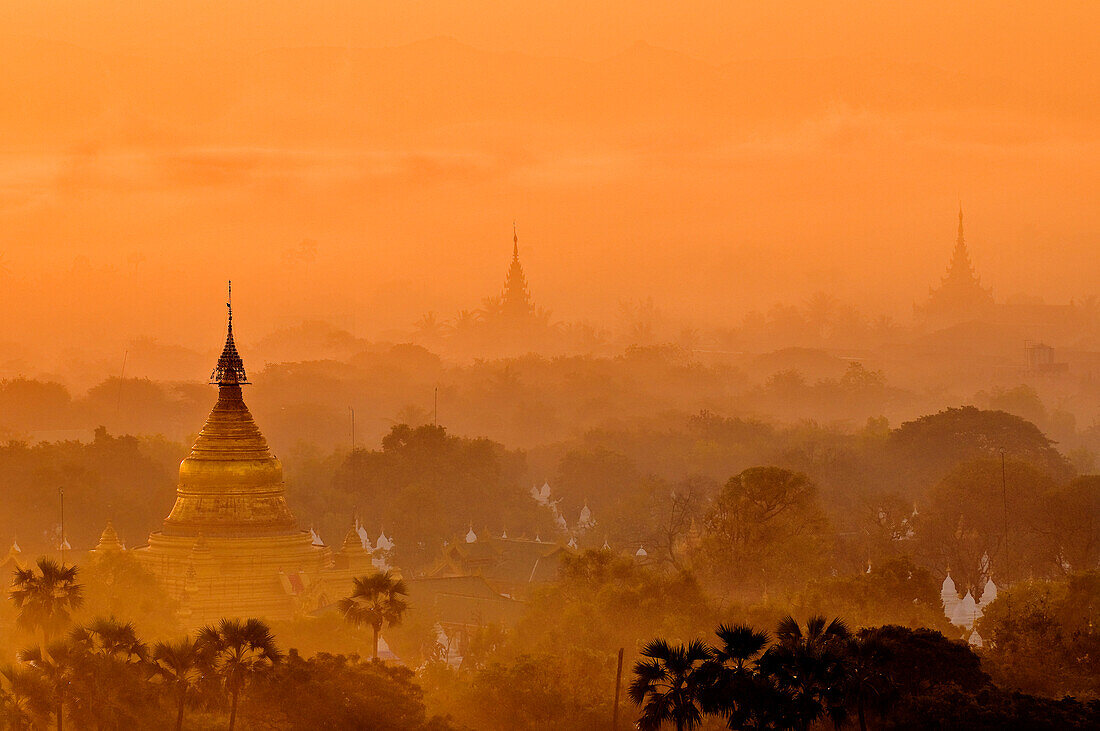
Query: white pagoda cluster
point(964, 612)
point(380, 552)
point(585, 521)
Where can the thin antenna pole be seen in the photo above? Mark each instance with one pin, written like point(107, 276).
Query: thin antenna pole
point(1004, 502)
point(435, 408)
point(618, 685)
point(352, 428)
point(61, 547)
point(121, 379)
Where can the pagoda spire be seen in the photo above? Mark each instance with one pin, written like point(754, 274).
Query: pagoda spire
point(961, 271)
point(229, 369)
point(515, 300)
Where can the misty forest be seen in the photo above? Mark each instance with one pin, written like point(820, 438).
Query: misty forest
point(355, 377)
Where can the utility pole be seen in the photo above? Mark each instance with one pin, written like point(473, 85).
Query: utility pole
point(1004, 503)
point(121, 380)
point(61, 547)
point(618, 685)
point(352, 428)
point(435, 408)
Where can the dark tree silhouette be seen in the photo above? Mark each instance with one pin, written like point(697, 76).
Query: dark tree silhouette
point(670, 685)
point(236, 651)
point(737, 691)
point(810, 667)
point(55, 666)
point(46, 598)
point(376, 600)
point(178, 665)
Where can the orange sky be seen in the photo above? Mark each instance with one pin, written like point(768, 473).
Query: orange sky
point(363, 161)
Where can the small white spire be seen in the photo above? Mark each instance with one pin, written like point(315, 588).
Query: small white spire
point(471, 537)
point(989, 594)
point(585, 521)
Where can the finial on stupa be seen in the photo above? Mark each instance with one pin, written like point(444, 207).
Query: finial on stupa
point(230, 368)
point(515, 241)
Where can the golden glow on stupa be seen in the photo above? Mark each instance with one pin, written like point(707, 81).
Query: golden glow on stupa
point(231, 546)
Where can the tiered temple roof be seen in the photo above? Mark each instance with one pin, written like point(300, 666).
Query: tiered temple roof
point(515, 300)
point(960, 296)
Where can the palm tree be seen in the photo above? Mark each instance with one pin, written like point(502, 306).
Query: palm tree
point(739, 692)
point(179, 665)
point(46, 598)
point(671, 684)
point(375, 600)
point(109, 680)
point(810, 667)
point(23, 697)
point(236, 651)
point(867, 655)
point(54, 666)
point(110, 638)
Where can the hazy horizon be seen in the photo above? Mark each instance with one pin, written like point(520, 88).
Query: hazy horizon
point(364, 165)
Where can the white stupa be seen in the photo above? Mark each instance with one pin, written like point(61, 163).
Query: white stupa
point(585, 521)
point(471, 537)
point(641, 552)
point(966, 613)
point(949, 596)
point(364, 539)
point(989, 594)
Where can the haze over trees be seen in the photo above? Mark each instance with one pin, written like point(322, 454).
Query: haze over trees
point(616, 348)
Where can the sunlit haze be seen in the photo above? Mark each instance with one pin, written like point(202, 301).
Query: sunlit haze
point(364, 164)
point(497, 365)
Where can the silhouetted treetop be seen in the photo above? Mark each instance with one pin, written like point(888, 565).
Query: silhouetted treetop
point(929, 447)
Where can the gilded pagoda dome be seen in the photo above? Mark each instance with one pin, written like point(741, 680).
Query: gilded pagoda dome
point(230, 484)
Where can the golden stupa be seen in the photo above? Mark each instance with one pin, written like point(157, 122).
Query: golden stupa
point(231, 547)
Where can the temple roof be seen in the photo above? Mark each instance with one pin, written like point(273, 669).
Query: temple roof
point(108, 540)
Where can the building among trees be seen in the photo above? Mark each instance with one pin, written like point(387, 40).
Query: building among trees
point(231, 546)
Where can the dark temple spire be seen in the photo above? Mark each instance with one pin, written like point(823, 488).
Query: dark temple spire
point(230, 367)
point(515, 300)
